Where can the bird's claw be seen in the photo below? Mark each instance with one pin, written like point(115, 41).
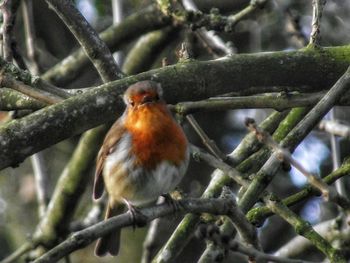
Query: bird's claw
point(138, 219)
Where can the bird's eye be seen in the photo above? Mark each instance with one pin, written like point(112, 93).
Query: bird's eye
point(132, 103)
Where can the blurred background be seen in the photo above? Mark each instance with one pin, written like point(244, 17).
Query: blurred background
point(281, 25)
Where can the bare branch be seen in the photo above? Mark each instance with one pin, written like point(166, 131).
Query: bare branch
point(336, 128)
point(41, 181)
point(209, 37)
point(27, 246)
point(28, 20)
point(102, 104)
point(318, 6)
point(267, 172)
point(85, 237)
point(214, 20)
point(115, 37)
point(6, 80)
point(210, 144)
point(213, 234)
point(278, 101)
point(94, 47)
point(8, 9)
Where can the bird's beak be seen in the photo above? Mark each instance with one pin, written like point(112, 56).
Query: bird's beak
point(147, 99)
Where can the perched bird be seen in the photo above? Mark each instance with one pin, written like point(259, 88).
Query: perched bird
point(144, 155)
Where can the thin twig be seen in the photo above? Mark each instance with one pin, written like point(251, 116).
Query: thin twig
point(117, 11)
point(150, 240)
point(23, 249)
point(214, 20)
point(252, 7)
point(318, 6)
point(37, 159)
point(336, 156)
point(28, 21)
point(199, 154)
point(210, 144)
point(209, 38)
point(31, 80)
point(41, 180)
point(8, 9)
point(149, 245)
point(278, 101)
point(7, 81)
point(92, 217)
point(294, 28)
point(335, 128)
point(246, 230)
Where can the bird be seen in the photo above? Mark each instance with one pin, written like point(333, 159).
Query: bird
point(145, 154)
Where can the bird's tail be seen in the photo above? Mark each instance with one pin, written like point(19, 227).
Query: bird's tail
point(110, 243)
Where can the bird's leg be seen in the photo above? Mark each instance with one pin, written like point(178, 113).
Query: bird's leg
point(171, 201)
point(138, 219)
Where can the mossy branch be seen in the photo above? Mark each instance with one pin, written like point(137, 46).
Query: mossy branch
point(181, 82)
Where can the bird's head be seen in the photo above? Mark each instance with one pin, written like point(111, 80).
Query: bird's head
point(143, 93)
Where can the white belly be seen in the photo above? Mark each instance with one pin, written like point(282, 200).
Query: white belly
point(139, 186)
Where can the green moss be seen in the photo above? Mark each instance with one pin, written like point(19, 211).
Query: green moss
point(289, 123)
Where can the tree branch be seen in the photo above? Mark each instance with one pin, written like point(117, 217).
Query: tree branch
point(13, 100)
point(115, 37)
point(94, 47)
point(254, 254)
point(318, 6)
point(212, 21)
point(278, 101)
point(267, 172)
point(248, 146)
point(72, 182)
point(6, 80)
point(183, 81)
point(8, 9)
point(257, 215)
point(85, 237)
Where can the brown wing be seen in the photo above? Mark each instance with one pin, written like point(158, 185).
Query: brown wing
point(112, 138)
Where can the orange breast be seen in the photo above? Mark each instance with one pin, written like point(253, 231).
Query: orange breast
point(155, 136)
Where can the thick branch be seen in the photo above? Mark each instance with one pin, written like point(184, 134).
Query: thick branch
point(183, 81)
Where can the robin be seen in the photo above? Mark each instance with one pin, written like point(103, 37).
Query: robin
point(144, 155)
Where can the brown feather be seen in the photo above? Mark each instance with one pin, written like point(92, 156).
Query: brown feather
point(112, 138)
point(110, 243)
